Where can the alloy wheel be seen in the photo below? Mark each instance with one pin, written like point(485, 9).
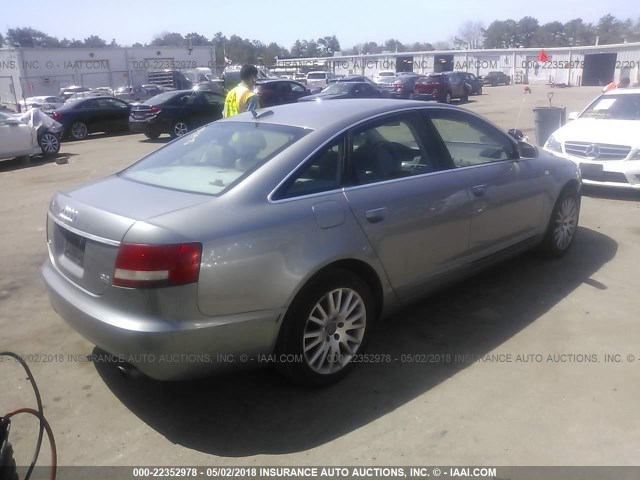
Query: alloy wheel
point(566, 222)
point(334, 331)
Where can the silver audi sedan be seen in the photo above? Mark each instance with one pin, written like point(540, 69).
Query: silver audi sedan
point(283, 236)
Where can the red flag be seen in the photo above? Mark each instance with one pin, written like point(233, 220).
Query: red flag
point(542, 56)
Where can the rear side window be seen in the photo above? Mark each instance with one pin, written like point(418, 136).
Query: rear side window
point(215, 158)
point(322, 173)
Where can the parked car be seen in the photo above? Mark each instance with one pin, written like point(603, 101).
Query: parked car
point(27, 134)
point(104, 90)
point(442, 87)
point(67, 92)
point(139, 93)
point(341, 90)
point(496, 78)
point(176, 112)
point(279, 92)
point(382, 74)
point(356, 78)
point(474, 82)
point(85, 116)
point(317, 80)
point(291, 232)
point(44, 102)
point(399, 87)
point(604, 140)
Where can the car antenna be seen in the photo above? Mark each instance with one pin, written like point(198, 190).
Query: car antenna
point(258, 116)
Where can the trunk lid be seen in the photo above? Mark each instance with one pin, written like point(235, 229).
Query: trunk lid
point(85, 226)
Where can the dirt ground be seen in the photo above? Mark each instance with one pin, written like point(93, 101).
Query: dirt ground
point(531, 363)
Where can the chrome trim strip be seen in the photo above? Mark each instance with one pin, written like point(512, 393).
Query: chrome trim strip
point(90, 236)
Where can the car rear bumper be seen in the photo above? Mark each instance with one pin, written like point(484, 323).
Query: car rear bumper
point(144, 125)
point(424, 96)
point(162, 349)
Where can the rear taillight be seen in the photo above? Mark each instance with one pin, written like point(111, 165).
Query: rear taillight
point(154, 110)
point(397, 86)
point(145, 266)
point(55, 115)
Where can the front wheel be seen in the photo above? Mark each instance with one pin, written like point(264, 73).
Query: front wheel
point(563, 224)
point(447, 98)
point(326, 327)
point(151, 135)
point(49, 144)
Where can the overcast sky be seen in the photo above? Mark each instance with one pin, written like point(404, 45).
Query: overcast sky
point(352, 22)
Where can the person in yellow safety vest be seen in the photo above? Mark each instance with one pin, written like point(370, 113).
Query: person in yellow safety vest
point(241, 98)
point(624, 83)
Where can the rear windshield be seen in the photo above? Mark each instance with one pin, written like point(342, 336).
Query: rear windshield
point(163, 97)
point(213, 159)
point(316, 76)
point(432, 78)
point(389, 80)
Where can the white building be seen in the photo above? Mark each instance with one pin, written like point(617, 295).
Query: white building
point(592, 65)
point(25, 72)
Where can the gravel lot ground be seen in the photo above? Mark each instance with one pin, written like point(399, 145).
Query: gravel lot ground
point(514, 370)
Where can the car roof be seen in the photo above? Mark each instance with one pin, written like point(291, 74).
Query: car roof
point(332, 114)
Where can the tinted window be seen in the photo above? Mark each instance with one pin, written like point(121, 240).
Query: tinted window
point(316, 76)
point(296, 87)
point(321, 174)
point(389, 149)
point(213, 98)
point(471, 141)
point(619, 107)
point(211, 160)
point(163, 97)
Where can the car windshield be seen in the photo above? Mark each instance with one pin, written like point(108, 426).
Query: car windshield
point(338, 88)
point(213, 159)
point(614, 107)
point(432, 78)
point(316, 76)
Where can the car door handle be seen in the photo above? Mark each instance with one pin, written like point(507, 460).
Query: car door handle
point(479, 190)
point(376, 215)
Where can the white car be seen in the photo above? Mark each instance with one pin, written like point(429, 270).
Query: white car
point(17, 139)
point(27, 134)
point(604, 140)
point(43, 102)
point(384, 74)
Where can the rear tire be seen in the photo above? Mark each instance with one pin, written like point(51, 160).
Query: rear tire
point(447, 98)
point(79, 131)
point(152, 135)
point(327, 324)
point(563, 224)
point(49, 144)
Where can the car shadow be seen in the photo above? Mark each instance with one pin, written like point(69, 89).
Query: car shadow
point(166, 139)
point(259, 412)
point(611, 193)
point(37, 161)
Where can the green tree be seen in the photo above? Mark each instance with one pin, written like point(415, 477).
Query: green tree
point(551, 34)
point(393, 45)
point(327, 46)
point(611, 30)
point(30, 37)
point(94, 41)
point(501, 34)
point(1, 40)
point(578, 33)
point(296, 49)
point(137, 45)
point(526, 32)
point(166, 39)
point(197, 40)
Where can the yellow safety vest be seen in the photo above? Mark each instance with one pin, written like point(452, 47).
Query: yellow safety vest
point(236, 101)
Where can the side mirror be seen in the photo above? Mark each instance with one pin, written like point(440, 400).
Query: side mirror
point(526, 150)
point(573, 115)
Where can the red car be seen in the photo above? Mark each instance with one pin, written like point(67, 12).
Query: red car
point(442, 87)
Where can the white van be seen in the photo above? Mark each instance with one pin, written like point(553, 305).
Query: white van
point(318, 79)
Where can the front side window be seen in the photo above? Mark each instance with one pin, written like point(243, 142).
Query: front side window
point(213, 159)
point(389, 149)
point(471, 141)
